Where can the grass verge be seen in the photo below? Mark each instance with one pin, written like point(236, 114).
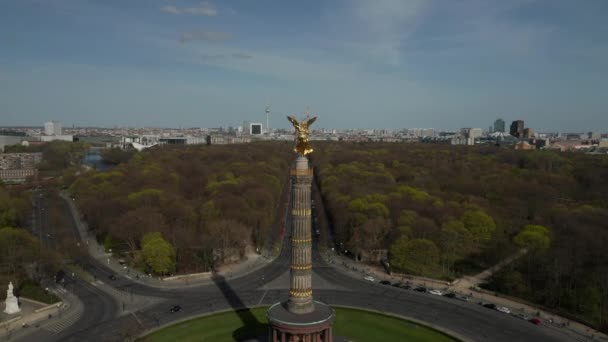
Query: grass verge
point(33, 291)
point(356, 325)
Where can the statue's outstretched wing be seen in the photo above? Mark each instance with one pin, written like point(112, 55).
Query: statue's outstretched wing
point(310, 121)
point(293, 121)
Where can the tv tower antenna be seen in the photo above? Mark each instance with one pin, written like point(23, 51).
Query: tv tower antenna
point(268, 120)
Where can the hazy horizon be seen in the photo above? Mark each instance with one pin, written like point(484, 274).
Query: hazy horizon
point(357, 64)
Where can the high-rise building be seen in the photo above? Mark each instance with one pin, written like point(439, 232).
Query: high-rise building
point(499, 125)
point(528, 133)
point(52, 128)
point(255, 128)
point(517, 129)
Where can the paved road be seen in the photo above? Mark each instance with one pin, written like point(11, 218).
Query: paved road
point(466, 319)
point(98, 305)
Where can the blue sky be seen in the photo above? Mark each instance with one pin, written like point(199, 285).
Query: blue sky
point(356, 63)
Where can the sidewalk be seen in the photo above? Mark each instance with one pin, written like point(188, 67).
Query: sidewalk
point(252, 262)
point(574, 330)
point(54, 318)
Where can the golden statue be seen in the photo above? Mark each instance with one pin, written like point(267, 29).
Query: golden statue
point(302, 145)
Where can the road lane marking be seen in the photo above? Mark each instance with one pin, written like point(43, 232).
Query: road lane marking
point(138, 321)
point(264, 295)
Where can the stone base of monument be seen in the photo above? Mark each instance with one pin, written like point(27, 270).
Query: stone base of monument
point(286, 326)
point(12, 306)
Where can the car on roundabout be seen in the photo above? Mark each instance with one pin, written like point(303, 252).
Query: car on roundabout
point(503, 309)
point(436, 292)
point(369, 278)
point(489, 305)
point(521, 315)
point(175, 308)
point(462, 298)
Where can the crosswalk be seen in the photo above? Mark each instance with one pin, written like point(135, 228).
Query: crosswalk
point(66, 320)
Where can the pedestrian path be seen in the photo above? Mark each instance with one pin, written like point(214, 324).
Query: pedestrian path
point(66, 320)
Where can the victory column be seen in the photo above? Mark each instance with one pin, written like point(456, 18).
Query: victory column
point(301, 318)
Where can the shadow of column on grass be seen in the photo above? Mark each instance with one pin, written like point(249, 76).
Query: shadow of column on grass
point(252, 329)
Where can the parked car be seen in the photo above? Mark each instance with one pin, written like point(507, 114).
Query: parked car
point(521, 315)
point(396, 284)
point(176, 308)
point(489, 306)
point(462, 298)
point(405, 286)
point(436, 292)
point(369, 278)
point(420, 289)
point(112, 277)
point(385, 282)
point(535, 321)
point(503, 309)
point(450, 295)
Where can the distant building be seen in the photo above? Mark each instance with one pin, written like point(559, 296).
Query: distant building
point(52, 128)
point(541, 143)
point(517, 128)
point(246, 127)
point(524, 145)
point(594, 135)
point(139, 142)
point(499, 125)
point(47, 138)
point(574, 136)
point(528, 133)
point(472, 133)
point(17, 167)
point(255, 129)
point(172, 141)
point(461, 140)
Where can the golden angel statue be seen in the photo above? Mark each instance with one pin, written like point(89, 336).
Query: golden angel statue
point(302, 145)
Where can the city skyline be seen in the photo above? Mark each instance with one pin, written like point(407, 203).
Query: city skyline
point(378, 64)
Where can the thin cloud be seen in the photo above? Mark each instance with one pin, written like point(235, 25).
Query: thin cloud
point(203, 9)
point(171, 9)
point(378, 29)
point(224, 57)
point(206, 36)
point(241, 55)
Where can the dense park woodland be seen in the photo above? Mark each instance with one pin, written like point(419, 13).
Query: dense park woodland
point(186, 209)
point(23, 259)
point(431, 210)
point(444, 211)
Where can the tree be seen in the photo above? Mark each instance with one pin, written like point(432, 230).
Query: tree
point(132, 225)
point(418, 256)
point(479, 224)
point(17, 248)
point(158, 254)
point(533, 238)
point(224, 235)
point(455, 242)
point(369, 235)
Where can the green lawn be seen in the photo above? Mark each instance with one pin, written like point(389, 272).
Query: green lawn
point(33, 291)
point(356, 325)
